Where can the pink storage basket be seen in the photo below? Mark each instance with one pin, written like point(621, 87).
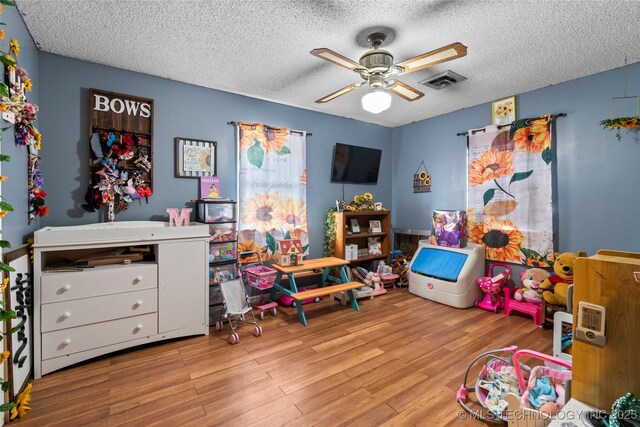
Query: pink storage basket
point(260, 277)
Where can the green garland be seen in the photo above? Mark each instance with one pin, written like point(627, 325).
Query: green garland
point(329, 232)
point(621, 123)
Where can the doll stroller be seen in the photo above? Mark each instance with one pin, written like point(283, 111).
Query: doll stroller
point(260, 277)
point(236, 307)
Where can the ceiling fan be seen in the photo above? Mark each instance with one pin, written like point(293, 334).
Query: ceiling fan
point(376, 67)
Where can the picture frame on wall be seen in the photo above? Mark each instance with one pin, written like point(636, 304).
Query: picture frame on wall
point(503, 111)
point(195, 157)
point(355, 227)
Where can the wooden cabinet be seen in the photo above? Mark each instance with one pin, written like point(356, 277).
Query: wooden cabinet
point(363, 235)
point(602, 374)
point(83, 313)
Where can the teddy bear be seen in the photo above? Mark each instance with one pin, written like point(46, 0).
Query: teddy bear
point(555, 287)
point(531, 280)
point(401, 268)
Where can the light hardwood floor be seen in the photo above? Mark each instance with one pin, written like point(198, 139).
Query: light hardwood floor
point(399, 362)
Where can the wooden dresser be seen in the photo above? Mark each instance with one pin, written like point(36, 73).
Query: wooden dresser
point(79, 315)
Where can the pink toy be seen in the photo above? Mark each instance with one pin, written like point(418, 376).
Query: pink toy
point(286, 300)
point(531, 280)
point(492, 285)
point(532, 309)
point(179, 217)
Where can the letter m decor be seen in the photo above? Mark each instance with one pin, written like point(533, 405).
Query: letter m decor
point(179, 217)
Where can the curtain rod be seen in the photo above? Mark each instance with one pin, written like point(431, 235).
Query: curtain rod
point(269, 127)
point(553, 116)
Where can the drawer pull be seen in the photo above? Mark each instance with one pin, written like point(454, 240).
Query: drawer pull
point(66, 341)
point(137, 304)
point(66, 287)
point(65, 315)
point(138, 328)
point(138, 279)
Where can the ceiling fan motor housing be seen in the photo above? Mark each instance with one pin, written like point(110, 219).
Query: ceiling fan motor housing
point(377, 60)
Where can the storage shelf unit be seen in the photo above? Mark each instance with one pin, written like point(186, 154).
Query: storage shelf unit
point(221, 218)
point(345, 237)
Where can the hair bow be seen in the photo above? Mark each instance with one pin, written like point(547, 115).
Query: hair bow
point(111, 139)
point(145, 192)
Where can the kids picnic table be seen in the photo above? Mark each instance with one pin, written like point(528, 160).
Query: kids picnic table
point(310, 265)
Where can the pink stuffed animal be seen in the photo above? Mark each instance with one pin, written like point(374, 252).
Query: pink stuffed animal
point(530, 290)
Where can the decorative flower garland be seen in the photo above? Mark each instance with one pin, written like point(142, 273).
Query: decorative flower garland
point(621, 123)
point(20, 406)
point(13, 100)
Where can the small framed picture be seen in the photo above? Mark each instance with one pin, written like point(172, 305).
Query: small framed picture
point(374, 245)
point(194, 158)
point(374, 226)
point(355, 227)
point(503, 111)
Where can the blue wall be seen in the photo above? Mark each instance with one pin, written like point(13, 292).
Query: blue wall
point(596, 192)
point(597, 181)
point(15, 226)
point(187, 111)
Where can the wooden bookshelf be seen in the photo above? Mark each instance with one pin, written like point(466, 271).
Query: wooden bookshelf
point(344, 236)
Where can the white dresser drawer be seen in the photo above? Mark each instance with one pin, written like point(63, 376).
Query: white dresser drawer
point(78, 312)
point(74, 340)
point(103, 280)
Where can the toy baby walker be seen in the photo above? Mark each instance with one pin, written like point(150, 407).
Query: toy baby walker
point(492, 285)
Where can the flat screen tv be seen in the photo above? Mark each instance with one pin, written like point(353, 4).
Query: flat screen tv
point(355, 165)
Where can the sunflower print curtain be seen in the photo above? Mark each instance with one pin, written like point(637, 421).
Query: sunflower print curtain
point(509, 203)
point(272, 189)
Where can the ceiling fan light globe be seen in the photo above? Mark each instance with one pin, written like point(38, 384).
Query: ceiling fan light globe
point(376, 102)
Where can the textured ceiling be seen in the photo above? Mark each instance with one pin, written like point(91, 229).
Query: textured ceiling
point(260, 48)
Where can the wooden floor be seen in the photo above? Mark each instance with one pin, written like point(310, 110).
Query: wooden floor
point(399, 362)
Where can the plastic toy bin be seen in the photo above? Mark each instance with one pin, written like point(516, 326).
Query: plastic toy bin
point(219, 252)
point(222, 272)
point(216, 212)
point(223, 232)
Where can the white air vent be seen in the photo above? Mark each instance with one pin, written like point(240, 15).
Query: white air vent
point(442, 80)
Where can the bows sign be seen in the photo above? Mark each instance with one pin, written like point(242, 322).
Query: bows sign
point(121, 141)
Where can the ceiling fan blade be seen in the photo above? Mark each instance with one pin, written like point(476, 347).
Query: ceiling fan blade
point(338, 93)
point(405, 91)
point(336, 58)
point(444, 54)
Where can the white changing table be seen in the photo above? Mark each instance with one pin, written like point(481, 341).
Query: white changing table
point(79, 315)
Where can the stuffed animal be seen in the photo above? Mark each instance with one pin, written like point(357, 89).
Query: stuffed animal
point(383, 268)
point(401, 268)
point(555, 287)
point(531, 280)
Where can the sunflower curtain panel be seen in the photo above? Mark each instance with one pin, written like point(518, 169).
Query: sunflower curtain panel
point(510, 208)
point(272, 189)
